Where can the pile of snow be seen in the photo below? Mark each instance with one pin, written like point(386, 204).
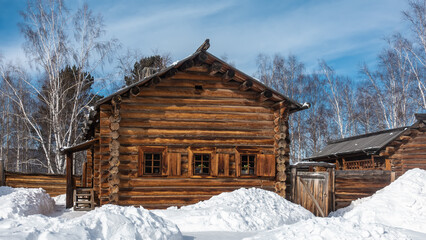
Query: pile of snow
point(396, 212)
point(401, 204)
point(60, 199)
point(241, 210)
point(24, 201)
point(106, 222)
point(332, 228)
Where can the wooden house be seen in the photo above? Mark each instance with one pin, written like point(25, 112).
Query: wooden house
point(193, 130)
point(396, 150)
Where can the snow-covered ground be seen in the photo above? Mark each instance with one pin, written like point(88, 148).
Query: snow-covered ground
point(395, 212)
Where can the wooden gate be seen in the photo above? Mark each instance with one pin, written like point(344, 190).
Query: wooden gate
point(313, 187)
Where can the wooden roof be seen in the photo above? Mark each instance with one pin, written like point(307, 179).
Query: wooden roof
point(201, 55)
point(369, 144)
point(217, 67)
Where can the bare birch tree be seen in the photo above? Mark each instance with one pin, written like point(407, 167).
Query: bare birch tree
point(46, 28)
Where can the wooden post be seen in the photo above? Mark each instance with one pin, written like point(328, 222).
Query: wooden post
point(388, 164)
point(293, 184)
point(70, 187)
point(2, 174)
point(343, 164)
point(332, 189)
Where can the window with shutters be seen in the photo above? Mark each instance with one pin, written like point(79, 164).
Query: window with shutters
point(152, 163)
point(248, 163)
point(201, 164)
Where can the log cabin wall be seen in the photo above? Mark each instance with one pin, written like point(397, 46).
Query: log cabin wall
point(189, 114)
point(408, 151)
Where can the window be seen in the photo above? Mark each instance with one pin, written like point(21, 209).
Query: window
point(152, 163)
point(201, 164)
point(247, 164)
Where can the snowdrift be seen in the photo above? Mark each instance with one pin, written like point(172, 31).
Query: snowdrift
point(396, 212)
point(24, 201)
point(241, 210)
point(401, 204)
point(106, 222)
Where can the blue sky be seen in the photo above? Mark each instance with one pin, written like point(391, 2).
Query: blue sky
point(344, 33)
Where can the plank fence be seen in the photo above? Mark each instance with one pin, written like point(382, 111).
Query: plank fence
point(53, 184)
point(351, 185)
point(320, 189)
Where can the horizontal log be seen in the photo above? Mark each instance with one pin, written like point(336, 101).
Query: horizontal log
point(195, 100)
point(187, 132)
point(137, 105)
point(192, 82)
point(216, 182)
point(192, 75)
point(190, 92)
point(196, 124)
point(196, 116)
point(171, 141)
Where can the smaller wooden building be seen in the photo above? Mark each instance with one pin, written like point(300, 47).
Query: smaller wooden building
point(396, 150)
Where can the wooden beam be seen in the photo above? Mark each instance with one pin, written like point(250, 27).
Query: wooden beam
point(170, 73)
point(70, 183)
point(265, 95)
point(388, 164)
point(2, 173)
point(215, 68)
point(390, 150)
point(187, 64)
point(201, 58)
point(405, 138)
point(228, 76)
point(246, 85)
point(135, 91)
point(80, 147)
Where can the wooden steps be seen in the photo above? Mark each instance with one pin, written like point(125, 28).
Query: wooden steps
point(84, 199)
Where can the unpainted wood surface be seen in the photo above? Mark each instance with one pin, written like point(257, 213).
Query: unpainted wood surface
point(351, 185)
point(54, 185)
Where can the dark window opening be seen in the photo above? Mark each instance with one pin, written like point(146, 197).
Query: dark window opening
point(198, 87)
point(152, 163)
point(201, 164)
point(247, 164)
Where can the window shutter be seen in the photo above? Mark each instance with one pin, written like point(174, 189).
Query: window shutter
point(140, 162)
point(265, 165)
point(165, 166)
point(260, 163)
point(237, 163)
point(223, 164)
point(174, 162)
point(214, 164)
point(269, 169)
point(190, 161)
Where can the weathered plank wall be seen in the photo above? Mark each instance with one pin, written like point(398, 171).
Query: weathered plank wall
point(351, 185)
point(53, 184)
point(215, 117)
point(410, 155)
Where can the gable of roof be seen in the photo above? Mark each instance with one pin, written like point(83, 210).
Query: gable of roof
point(369, 143)
point(201, 56)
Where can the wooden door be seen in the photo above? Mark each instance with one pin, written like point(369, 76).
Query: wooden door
point(311, 191)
